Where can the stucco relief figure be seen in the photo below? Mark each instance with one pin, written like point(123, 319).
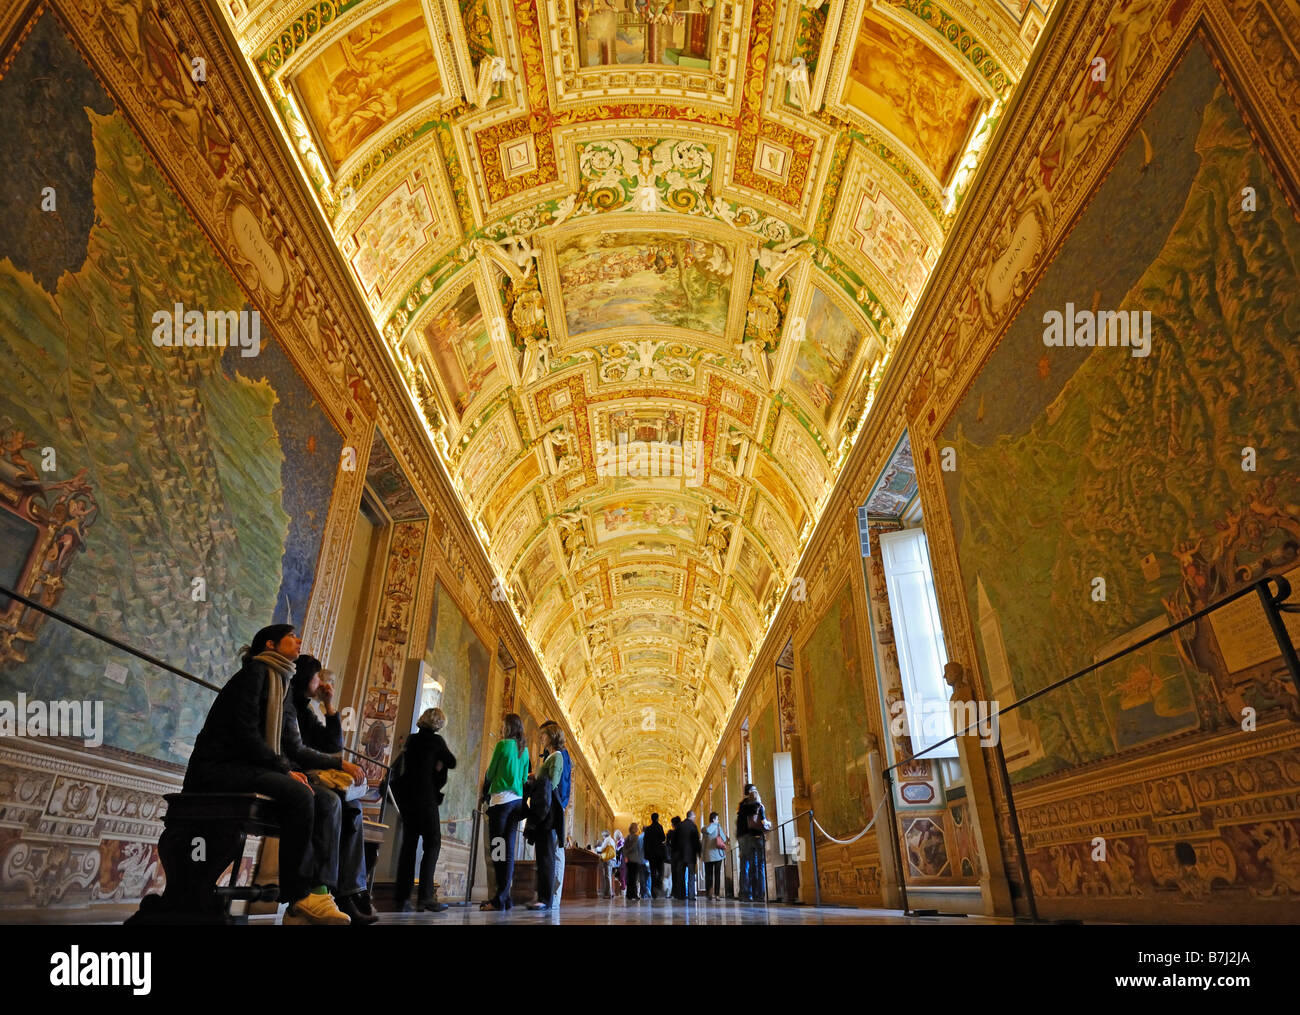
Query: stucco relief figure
point(573, 537)
point(718, 538)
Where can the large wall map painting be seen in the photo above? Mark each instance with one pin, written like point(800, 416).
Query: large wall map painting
point(375, 74)
point(911, 91)
point(835, 710)
point(1085, 462)
point(460, 662)
point(634, 279)
point(201, 462)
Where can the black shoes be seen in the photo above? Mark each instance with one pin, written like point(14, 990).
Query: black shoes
point(359, 909)
point(434, 907)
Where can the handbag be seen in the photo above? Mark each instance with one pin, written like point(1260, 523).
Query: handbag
point(339, 781)
point(755, 823)
point(719, 842)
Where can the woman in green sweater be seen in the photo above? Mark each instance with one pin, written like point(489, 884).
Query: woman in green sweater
point(503, 791)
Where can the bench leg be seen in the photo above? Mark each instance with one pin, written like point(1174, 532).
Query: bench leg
point(193, 856)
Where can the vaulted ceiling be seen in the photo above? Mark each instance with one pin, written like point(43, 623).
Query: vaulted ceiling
point(695, 229)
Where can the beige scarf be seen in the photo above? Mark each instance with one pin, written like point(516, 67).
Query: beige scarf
point(278, 669)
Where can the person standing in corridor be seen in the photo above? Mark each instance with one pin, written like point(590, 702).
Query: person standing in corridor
point(715, 851)
point(503, 791)
point(688, 847)
point(751, 824)
point(654, 844)
point(549, 728)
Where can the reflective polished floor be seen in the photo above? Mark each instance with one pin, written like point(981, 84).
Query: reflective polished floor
point(672, 911)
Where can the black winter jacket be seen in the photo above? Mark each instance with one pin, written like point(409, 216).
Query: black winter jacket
point(299, 754)
point(654, 843)
point(324, 736)
point(420, 782)
point(544, 811)
point(688, 841)
point(234, 730)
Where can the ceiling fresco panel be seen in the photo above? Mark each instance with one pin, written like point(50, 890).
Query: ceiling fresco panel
point(372, 76)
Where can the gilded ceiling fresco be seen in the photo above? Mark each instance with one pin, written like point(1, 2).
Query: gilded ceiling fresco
point(641, 267)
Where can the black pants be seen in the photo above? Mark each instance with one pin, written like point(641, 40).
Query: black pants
point(656, 877)
point(679, 879)
point(635, 875)
point(503, 820)
point(295, 808)
point(420, 820)
point(713, 878)
point(544, 849)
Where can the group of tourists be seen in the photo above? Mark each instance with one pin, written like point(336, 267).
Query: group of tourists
point(262, 735)
point(633, 864)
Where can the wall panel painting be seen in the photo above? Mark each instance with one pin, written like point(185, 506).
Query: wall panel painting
point(173, 462)
point(830, 666)
point(461, 662)
point(1093, 461)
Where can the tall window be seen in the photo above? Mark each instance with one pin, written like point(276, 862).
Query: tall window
point(918, 636)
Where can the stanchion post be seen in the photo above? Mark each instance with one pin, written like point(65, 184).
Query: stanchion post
point(475, 822)
point(896, 851)
point(1015, 831)
point(812, 838)
point(890, 878)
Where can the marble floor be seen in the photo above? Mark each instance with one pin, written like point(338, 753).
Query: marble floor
point(671, 911)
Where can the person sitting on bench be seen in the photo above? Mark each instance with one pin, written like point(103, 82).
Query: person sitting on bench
point(312, 745)
point(239, 751)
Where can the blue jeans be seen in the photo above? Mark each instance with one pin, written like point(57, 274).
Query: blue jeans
point(752, 883)
point(503, 820)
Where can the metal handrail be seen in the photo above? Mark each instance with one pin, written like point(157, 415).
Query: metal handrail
point(1259, 585)
point(1274, 605)
point(107, 638)
point(117, 643)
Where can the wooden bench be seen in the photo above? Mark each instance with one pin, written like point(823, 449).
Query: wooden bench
point(203, 833)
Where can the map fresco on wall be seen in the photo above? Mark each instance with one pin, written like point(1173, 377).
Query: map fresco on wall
point(912, 92)
point(762, 745)
point(635, 279)
point(1080, 462)
point(835, 709)
point(377, 72)
point(202, 462)
point(461, 663)
point(734, 782)
point(825, 355)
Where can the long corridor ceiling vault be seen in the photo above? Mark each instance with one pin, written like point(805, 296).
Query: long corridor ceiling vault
point(701, 223)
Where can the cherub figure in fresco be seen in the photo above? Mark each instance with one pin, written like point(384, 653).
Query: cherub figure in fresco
point(75, 516)
point(1200, 579)
point(13, 463)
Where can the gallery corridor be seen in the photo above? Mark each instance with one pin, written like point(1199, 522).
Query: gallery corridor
point(464, 463)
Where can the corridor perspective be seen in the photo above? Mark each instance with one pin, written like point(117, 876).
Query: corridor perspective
point(636, 462)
